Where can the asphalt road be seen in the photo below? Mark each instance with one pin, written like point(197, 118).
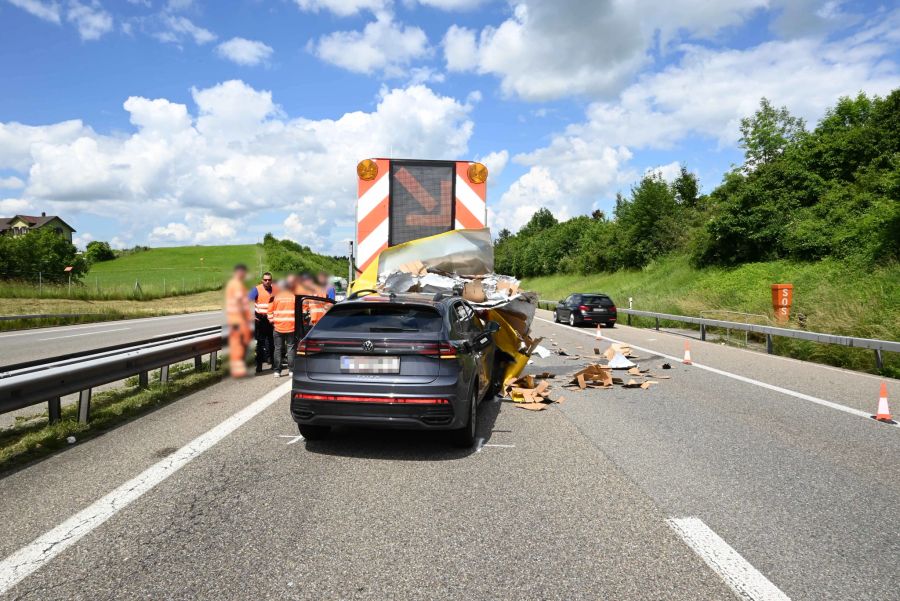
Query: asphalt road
point(40, 343)
point(212, 497)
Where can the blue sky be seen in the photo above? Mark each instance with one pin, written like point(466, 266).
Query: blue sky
point(169, 122)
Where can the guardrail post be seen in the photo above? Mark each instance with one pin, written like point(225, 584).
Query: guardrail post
point(879, 360)
point(144, 379)
point(213, 356)
point(84, 405)
point(164, 374)
point(54, 409)
point(702, 331)
point(769, 348)
point(657, 324)
point(628, 318)
point(198, 362)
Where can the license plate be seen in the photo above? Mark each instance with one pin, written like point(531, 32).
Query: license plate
point(370, 365)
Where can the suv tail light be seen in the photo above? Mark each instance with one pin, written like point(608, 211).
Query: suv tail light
point(612, 309)
point(311, 346)
point(342, 398)
point(584, 308)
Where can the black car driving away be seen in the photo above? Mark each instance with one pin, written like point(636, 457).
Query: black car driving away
point(399, 361)
point(582, 308)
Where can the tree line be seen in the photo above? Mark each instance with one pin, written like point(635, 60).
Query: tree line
point(804, 195)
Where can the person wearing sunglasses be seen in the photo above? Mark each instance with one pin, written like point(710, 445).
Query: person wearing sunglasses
point(261, 295)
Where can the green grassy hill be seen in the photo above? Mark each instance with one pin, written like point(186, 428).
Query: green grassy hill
point(835, 297)
point(175, 270)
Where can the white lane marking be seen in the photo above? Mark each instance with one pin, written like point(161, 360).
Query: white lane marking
point(502, 446)
point(105, 324)
point(83, 334)
point(740, 378)
point(293, 439)
point(737, 572)
point(35, 554)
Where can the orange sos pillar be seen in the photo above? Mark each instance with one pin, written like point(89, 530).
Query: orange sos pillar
point(782, 299)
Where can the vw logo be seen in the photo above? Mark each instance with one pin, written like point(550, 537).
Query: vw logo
point(368, 346)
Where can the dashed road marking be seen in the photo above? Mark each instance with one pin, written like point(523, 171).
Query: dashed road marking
point(737, 572)
point(728, 374)
point(35, 554)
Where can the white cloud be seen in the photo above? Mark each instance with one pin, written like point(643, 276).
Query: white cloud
point(244, 52)
point(705, 95)
point(119, 243)
point(176, 29)
point(205, 175)
point(11, 182)
point(496, 163)
point(381, 45)
point(452, 4)
point(548, 50)
point(343, 8)
point(48, 11)
point(91, 20)
point(81, 240)
point(173, 232)
point(15, 206)
point(669, 172)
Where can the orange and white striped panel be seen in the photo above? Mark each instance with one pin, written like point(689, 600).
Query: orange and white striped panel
point(372, 215)
point(471, 204)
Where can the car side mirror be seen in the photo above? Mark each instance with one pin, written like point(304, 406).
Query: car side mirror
point(562, 302)
point(491, 327)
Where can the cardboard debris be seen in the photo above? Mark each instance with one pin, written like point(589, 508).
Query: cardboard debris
point(474, 292)
point(533, 406)
point(596, 351)
point(593, 375)
point(618, 348)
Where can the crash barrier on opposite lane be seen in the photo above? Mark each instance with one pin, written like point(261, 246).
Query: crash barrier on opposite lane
point(878, 346)
point(47, 380)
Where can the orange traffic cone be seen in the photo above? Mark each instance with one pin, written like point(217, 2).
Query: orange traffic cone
point(598, 335)
point(687, 353)
point(884, 412)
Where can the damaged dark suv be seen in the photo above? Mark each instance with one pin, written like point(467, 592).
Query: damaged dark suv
point(400, 361)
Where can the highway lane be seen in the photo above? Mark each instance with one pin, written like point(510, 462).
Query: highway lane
point(568, 503)
point(40, 343)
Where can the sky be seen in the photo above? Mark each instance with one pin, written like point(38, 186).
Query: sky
point(177, 122)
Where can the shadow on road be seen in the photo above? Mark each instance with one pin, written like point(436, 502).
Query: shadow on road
point(403, 445)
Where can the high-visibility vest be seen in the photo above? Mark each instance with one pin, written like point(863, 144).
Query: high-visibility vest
point(281, 312)
point(237, 306)
point(263, 297)
point(316, 308)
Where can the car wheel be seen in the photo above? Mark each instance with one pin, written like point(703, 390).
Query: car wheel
point(611, 324)
point(464, 438)
point(572, 319)
point(313, 432)
point(555, 316)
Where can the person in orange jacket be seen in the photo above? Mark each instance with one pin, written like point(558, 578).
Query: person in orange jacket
point(237, 318)
point(282, 316)
point(265, 338)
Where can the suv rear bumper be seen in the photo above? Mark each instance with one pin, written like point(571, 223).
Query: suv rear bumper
point(444, 416)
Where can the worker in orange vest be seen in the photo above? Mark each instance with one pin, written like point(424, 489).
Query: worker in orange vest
point(319, 288)
point(237, 318)
point(260, 296)
point(281, 315)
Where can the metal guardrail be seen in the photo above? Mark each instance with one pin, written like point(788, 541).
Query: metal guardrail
point(47, 380)
point(878, 346)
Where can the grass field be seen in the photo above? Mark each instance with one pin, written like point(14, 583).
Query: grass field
point(835, 297)
point(149, 274)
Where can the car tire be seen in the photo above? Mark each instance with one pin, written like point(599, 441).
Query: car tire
point(572, 321)
point(555, 316)
point(611, 324)
point(310, 432)
point(464, 437)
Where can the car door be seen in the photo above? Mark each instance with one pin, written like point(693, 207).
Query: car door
point(483, 355)
point(461, 337)
point(565, 308)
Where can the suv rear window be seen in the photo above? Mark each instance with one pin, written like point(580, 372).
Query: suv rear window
point(378, 318)
point(596, 299)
